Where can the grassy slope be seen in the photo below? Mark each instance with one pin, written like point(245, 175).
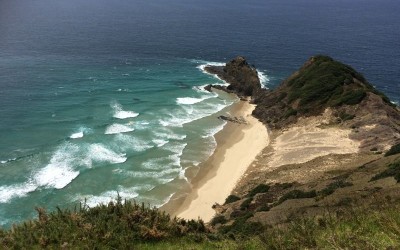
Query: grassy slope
point(367, 228)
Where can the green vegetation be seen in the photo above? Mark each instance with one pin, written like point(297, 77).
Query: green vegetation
point(231, 198)
point(131, 226)
point(327, 83)
point(290, 112)
point(246, 203)
point(345, 117)
point(241, 227)
point(331, 188)
point(395, 149)
point(219, 219)
point(392, 171)
point(115, 225)
point(363, 228)
point(261, 188)
point(297, 194)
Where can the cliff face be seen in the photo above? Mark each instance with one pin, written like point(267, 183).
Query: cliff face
point(243, 78)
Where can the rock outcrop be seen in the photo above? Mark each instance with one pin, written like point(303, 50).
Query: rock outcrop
point(243, 78)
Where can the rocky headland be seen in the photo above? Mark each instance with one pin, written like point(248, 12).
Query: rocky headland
point(330, 130)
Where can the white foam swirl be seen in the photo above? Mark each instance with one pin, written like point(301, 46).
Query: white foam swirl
point(117, 129)
point(119, 113)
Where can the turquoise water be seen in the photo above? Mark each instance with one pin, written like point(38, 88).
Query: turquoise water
point(103, 97)
point(93, 131)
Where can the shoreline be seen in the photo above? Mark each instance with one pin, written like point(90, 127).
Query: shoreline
point(237, 147)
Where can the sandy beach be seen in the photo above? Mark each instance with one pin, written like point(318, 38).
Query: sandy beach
point(247, 152)
point(238, 145)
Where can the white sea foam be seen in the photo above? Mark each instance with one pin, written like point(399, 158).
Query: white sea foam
point(204, 64)
point(100, 153)
point(62, 168)
point(17, 190)
point(188, 100)
point(176, 148)
point(9, 160)
point(76, 135)
point(166, 173)
point(189, 114)
point(59, 172)
point(55, 175)
point(117, 129)
point(120, 113)
point(200, 89)
point(108, 196)
point(165, 201)
point(80, 133)
point(264, 79)
point(168, 134)
point(160, 142)
point(214, 130)
point(127, 142)
point(207, 63)
point(140, 124)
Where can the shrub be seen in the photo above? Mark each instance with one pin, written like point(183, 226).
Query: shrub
point(290, 112)
point(261, 188)
point(219, 219)
point(246, 203)
point(297, 194)
point(263, 208)
point(395, 149)
point(393, 170)
point(331, 188)
point(231, 198)
point(345, 117)
point(240, 227)
point(115, 225)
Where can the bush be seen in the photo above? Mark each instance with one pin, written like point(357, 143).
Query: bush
point(113, 226)
point(231, 198)
point(240, 227)
point(246, 203)
point(393, 170)
point(395, 149)
point(262, 188)
point(264, 208)
point(219, 219)
point(350, 98)
point(345, 117)
point(297, 194)
point(331, 188)
point(290, 112)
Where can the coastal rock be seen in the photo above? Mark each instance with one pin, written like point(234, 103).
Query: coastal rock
point(234, 119)
point(243, 78)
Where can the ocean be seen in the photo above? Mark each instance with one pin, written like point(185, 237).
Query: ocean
point(101, 98)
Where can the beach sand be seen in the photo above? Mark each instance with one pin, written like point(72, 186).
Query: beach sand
point(249, 153)
point(303, 152)
point(237, 147)
point(309, 139)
